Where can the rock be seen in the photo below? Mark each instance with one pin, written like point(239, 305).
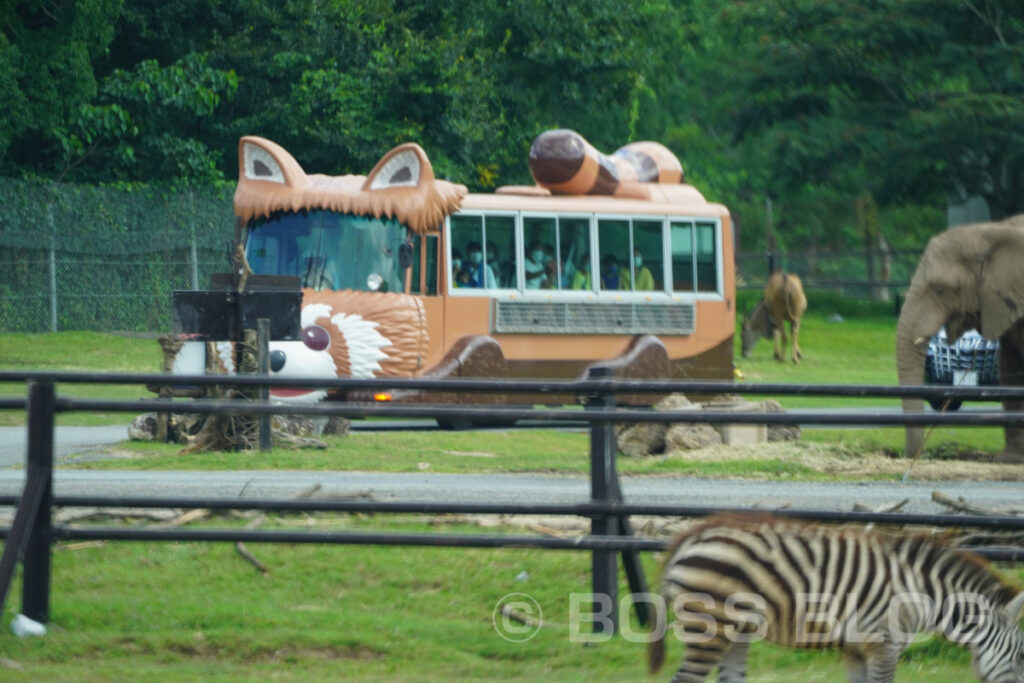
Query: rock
point(780, 432)
point(338, 426)
point(690, 436)
point(673, 402)
point(143, 427)
point(642, 438)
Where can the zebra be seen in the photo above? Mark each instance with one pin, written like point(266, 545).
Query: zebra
point(734, 579)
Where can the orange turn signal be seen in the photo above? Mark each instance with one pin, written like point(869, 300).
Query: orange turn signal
point(382, 397)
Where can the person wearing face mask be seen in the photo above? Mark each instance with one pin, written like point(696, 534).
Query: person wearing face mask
point(612, 277)
point(480, 274)
point(581, 278)
point(536, 266)
point(456, 267)
point(551, 266)
point(644, 278)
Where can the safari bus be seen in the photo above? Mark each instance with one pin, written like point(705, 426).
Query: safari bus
point(607, 259)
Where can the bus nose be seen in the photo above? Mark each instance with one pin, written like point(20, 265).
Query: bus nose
point(277, 359)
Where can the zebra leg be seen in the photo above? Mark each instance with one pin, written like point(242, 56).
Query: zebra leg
point(856, 668)
point(881, 662)
point(700, 659)
point(734, 663)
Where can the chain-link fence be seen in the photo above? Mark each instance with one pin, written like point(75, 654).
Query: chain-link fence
point(877, 275)
point(76, 257)
point(95, 258)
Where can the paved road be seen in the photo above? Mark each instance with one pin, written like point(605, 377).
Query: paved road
point(82, 441)
point(524, 488)
point(68, 441)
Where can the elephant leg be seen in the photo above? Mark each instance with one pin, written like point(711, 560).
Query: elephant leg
point(1011, 373)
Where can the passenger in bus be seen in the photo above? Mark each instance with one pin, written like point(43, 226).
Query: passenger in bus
point(535, 266)
point(551, 266)
point(644, 278)
point(480, 273)
point(581, 278)
point(612, 275)
point(504, 271)
point(456, 266)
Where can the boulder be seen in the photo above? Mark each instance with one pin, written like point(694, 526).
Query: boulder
point(691, 436)
point(780, 432)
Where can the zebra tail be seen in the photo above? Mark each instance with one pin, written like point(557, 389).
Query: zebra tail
point(656, 647)
point(656, 654)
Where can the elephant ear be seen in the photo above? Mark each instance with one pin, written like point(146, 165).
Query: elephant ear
point(1002, 288)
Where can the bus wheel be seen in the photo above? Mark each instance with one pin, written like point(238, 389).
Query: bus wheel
point(938, 404)
point(455, 425)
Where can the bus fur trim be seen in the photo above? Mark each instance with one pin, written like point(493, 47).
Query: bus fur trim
point(400, 186)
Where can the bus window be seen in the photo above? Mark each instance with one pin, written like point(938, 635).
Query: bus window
point(329, 250)
point(431, 270)
point(540, 235)
point(615, 244)
point(682, 256)
point(500, 249)
point(573, 253)
point(415, 286)
point(707, 272)
point(424, 248)
point(647, 266)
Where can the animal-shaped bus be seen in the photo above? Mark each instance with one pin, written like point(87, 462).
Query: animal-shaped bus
point(608, 259)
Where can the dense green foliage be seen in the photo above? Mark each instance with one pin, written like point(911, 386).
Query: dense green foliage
point(857, 120)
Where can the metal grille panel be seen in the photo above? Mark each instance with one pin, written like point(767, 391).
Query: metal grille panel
point(561, 317)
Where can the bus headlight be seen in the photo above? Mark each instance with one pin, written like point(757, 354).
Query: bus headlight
point(374, 281)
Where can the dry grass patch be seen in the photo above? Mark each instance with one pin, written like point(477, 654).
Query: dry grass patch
point(844, 460)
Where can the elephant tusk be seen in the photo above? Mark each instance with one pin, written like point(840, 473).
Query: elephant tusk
point(920, 340)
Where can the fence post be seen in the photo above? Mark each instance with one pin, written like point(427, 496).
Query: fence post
point(604, 565)
point(35, 587)
point(31, 532)
point(52, 262)
point(263, 362)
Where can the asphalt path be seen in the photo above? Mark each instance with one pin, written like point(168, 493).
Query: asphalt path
point(521, 488)
point(78, 443)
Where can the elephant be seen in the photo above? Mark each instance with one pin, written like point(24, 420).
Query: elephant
point(969, 276)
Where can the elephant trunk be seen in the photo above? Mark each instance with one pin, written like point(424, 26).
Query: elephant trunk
point(912, 335)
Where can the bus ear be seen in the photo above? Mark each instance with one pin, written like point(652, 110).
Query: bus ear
point(404, 166)
point(260, 159)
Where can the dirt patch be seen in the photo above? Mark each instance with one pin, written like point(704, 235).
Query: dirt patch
point(843, 460)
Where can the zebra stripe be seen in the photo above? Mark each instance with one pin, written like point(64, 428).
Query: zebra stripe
point(734, 579)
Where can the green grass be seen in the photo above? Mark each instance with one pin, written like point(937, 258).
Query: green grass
point(858, 350)
point(181, 611)
point(79, 352)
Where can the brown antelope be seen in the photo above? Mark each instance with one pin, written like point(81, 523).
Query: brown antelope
point(783, 301)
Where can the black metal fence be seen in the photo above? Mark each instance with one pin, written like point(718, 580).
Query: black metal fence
point(32, 533)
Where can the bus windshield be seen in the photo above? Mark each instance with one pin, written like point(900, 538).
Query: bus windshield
point(329, 250)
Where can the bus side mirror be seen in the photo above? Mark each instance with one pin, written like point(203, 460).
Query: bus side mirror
point(405, 255)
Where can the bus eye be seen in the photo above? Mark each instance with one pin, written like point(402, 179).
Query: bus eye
point(316, 337)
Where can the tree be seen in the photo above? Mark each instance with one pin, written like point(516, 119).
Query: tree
point(917, 100)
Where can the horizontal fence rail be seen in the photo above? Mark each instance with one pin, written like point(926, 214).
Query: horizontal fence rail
point(33, 532)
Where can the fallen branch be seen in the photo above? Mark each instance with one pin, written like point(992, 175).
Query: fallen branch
point(308, 493)
point(190, 516)
point(244, 552)
point(961, 505)
point(895, 507)
point(510, 612)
